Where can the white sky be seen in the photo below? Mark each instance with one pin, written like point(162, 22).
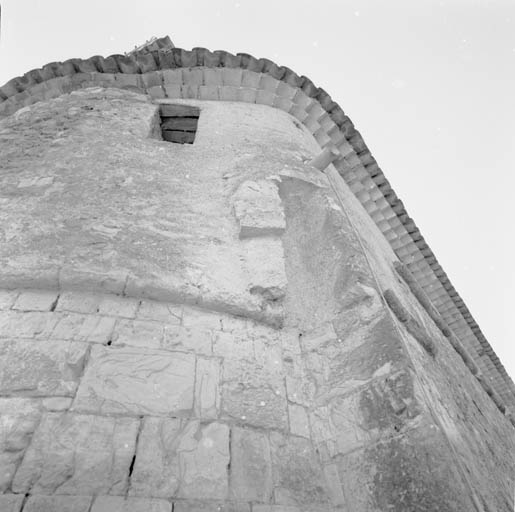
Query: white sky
point(429, 84)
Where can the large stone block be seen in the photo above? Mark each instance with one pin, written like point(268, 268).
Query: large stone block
point(135, 381)
point(41, 369)
point(185, 459)
point(253, 394)
point(77, 454)
point(210, 506)
point(18, 419)
point(251, 466)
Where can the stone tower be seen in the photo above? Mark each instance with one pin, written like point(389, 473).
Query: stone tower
point(212, 300)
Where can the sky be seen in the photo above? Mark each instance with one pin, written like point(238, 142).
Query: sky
point(429, 84)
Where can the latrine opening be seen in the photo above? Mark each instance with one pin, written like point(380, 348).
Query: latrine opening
point(179, 123)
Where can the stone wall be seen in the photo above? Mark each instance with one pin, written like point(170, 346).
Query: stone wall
point(204, 327)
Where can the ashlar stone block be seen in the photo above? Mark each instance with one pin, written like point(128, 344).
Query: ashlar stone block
point(254, 395)
point(251, 466)
point(41, 369)
point(36, 300)
point(18, 419)
point(135, 381)
point(77, 454)
point(180, 458)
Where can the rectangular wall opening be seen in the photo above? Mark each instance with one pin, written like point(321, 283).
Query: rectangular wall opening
point(179, 123)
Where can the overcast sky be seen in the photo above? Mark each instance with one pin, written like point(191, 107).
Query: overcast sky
point(429, 84)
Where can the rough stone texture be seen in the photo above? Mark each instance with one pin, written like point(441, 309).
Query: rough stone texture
point(18, 419)
point(120, 504)
point(251, 466)
point(11, 502)
point(58, 504)
point(231, 295)
point(40, 369)
point(78, 454)
point(257, 206)
point(184, 459)
point(130, 380)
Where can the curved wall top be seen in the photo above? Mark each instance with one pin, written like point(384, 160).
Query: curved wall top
point(163, 71)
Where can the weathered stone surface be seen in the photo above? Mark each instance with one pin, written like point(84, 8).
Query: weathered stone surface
point(76, 454)
point(78, 302)
point(57, 403)
point(209, 506)
point(196, 339)
point(130, 380)
point(138, 333)
point(113, 305)
point(11, 502)
point(299, 422)
point(415, 471)
point(264, 262)
point(207, 388)
point(156, 469)
point(203, 458)
point(253, 394)
point(7, 298)
point(251, 466)
point(258, 210)
point(160, 311)
point(16, 324)
point(78, 327)
point(37, 300)
point(58, 504)
point(297, 474)
point(184, 459)
point(18, 420)
point(41, 369)
point(383, 408)
point(121, 504)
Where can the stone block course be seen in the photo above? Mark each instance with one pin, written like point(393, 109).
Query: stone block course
point(77, 454)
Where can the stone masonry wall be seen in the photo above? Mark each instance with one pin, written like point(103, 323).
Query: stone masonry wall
point(204, 327)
